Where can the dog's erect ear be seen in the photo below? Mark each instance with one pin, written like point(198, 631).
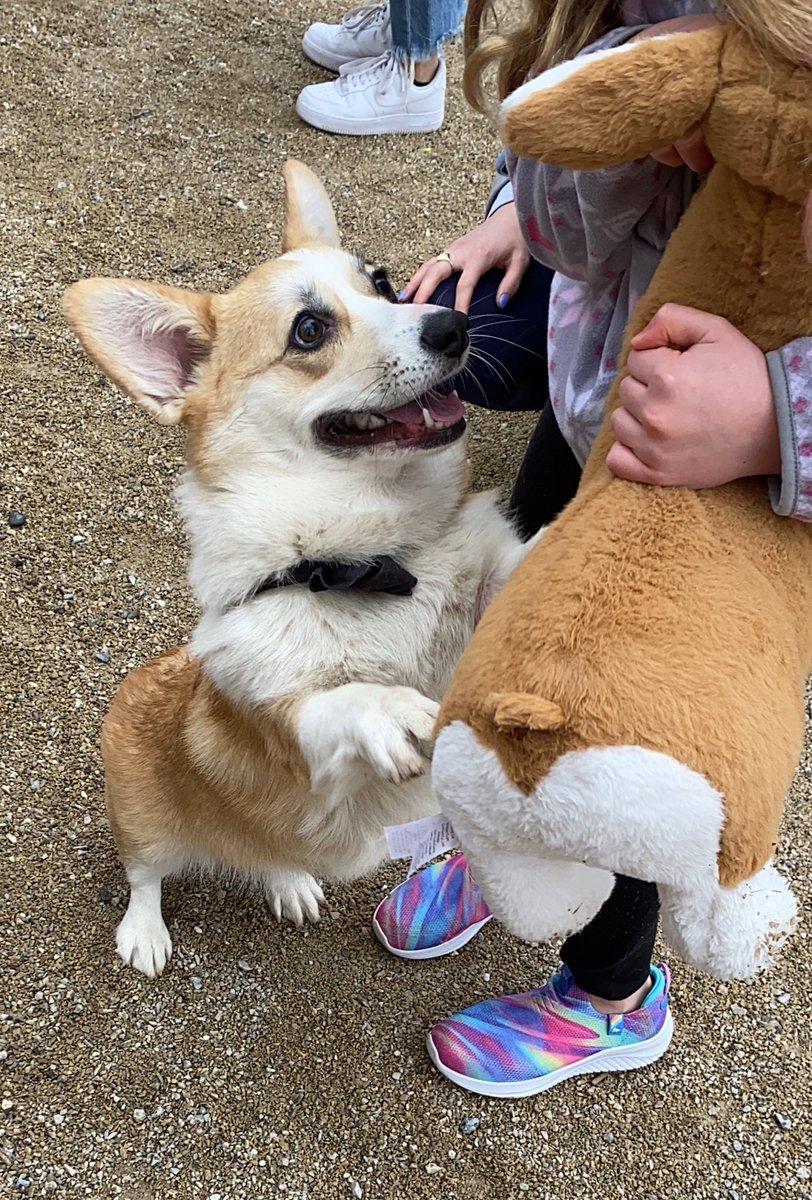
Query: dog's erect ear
point(616, 105)
point(310, 216)
point(147, 338)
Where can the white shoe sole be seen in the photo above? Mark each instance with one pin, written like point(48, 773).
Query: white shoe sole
point(622, 1058)
point(440, 951)
point(388, 123)
point(322, 57)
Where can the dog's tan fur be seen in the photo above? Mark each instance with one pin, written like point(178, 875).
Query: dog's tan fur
point(676, 621)
point(296, 726)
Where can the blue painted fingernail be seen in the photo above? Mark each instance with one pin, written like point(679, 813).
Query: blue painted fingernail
point(402, 294)
point(504, 300)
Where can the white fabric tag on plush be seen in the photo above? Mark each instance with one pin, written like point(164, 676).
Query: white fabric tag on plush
point(420, 840)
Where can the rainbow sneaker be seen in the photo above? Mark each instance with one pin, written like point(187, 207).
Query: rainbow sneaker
point(521, 1045)
point(433, 913)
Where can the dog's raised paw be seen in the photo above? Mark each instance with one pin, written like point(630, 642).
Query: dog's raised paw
point(398, 735)
point(293, 895)
point(144, 943)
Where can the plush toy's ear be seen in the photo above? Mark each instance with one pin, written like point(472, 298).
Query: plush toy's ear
point(616, 105)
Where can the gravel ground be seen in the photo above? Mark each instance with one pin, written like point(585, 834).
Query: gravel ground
point(146, 139)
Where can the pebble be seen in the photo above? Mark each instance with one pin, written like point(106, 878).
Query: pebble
point(357, 1190)
point(784, 998)
point(102, 656)
point(139, 1116)
point(783, 1122)
point(469, 1125)
point(197, 983)
point(609, 1137)
point(16, 519)
point(802, 1173)
point(432, 1168)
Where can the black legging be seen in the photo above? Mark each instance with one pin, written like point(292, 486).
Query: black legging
point(611, 956)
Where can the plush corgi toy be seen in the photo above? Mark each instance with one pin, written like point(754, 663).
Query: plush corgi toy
point(633, 700)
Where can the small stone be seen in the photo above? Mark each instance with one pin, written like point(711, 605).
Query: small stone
point(244, 965)
point(35, 785)
point(732, 1194)
point(6, 1105)
point(102, 656)
point(432, 1168)
point(783, 1122)
point(179, 268)
point(469, 1125)
point(197, 983)
point(738, 1147)
point(139, 1116)
point(105, 895)
point(802, 1173)
point(609, 1137)
point(738, 1011)
point(16, 519)
point(357, 1190)
point(784, 998)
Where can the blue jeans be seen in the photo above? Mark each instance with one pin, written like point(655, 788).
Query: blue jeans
point(420, 28)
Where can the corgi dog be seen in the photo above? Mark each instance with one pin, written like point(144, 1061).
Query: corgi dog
point(338, 563)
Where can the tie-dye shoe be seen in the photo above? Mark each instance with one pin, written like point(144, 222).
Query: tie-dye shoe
point(521, 1045)
point(433, 913)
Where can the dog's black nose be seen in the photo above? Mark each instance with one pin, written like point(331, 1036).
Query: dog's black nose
point(446, 332)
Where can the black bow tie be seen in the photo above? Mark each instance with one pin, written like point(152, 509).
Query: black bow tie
point(381, 574)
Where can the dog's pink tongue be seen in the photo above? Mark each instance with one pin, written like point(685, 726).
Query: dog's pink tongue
point(442, 408)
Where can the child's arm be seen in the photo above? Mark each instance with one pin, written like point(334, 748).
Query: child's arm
point(702, 406)
point(791, 379)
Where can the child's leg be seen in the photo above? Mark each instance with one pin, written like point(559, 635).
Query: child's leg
point(610, 958)
point(507, 371)
point(606, 1010)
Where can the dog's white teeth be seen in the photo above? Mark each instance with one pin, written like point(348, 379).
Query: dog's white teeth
point(364, 420)
point(428, 419)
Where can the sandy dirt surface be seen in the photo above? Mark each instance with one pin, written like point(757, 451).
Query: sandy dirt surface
point(146, 139)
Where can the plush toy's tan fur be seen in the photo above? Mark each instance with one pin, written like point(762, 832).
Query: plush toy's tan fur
point(672, 620)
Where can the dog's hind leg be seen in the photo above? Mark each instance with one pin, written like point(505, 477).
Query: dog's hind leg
point(292, 894)
point(142, 938)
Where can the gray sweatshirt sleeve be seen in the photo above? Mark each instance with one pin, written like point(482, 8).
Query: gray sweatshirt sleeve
point(791, 377)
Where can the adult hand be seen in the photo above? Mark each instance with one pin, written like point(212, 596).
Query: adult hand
point(691, 150)
point(696, 408)
point(497, 242)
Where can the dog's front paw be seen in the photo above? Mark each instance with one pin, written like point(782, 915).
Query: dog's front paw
point(395, 738)
point(143, 942)
point(365, 727)
point(293, 894)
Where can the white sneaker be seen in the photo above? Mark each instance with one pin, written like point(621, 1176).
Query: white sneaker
point(363, 33)
point(375, 96)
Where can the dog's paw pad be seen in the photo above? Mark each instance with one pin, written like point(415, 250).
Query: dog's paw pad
point(144, 943)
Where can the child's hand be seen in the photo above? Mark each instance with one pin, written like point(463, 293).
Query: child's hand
point(696, 408)
point(497, 242)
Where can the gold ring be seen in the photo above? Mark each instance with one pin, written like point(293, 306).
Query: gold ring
point(445, 257)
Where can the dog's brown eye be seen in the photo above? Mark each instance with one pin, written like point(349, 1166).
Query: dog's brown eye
point(309, 331)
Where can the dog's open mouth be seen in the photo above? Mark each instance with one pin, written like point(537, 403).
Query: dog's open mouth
point(432, 420)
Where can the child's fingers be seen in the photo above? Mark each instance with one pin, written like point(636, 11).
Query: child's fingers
point(676, 327)
point(624, 463)
point(511, 280)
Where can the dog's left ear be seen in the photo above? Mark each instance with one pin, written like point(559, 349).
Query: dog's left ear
point(148, 338)
point(310, 216)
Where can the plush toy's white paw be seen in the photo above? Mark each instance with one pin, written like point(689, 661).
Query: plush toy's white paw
point(294, 895)
point(730, 933)
point(143, 941)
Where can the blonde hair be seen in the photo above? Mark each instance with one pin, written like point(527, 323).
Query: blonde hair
point(556, 30)
point(782, 27)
